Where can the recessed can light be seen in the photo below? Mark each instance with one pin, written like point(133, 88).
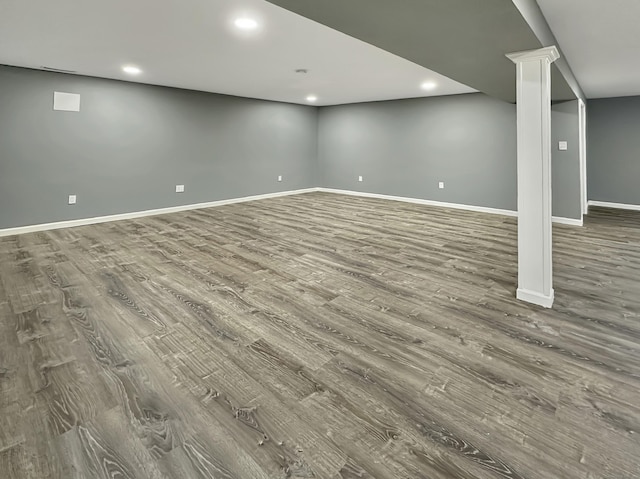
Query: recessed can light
point(246, 23)
point(428, 85)
point(131, 70)
point(312, 98)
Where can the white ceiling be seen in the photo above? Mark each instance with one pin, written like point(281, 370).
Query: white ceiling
point(193, 44)
point(601, 41)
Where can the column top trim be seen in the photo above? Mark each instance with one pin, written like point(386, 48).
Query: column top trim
point(547, 53)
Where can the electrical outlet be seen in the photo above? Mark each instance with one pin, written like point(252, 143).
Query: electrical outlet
point(179, 188)
point(72, 199)
point(279, 177)
point(359, 178)
point(441, 185)
point(563, 146)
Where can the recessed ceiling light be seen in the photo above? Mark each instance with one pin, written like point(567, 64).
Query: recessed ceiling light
point(131, 70)
point(312, 98)
point(246, 23)
point(429, 85)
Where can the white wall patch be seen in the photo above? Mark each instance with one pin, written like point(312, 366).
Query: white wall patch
point(66, 101)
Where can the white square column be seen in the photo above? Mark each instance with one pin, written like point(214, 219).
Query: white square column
point(535, 262)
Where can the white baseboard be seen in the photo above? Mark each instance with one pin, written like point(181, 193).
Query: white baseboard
point(177, 209)
point(568, 221)
point(141, 214)
point(536, 298)
point(619, 206)
point(457, 206)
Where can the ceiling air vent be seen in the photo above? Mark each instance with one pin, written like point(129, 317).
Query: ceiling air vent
point(59, 70)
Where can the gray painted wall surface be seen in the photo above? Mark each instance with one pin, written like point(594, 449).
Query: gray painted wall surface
point(565, 126)
point(613, 161)
point(405, 147)
point(131, 144)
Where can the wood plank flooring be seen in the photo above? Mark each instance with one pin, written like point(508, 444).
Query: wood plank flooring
point(318, 336)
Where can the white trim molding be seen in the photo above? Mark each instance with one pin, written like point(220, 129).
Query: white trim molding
point(568, 221)
point(141, 214)
point(550, 54)
point(618, 206)
point(536, 298)
point(442, 204)
point(176, 209)
point(419, 201)
point(582, 150)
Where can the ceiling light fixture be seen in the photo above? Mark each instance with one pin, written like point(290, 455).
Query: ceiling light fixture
point(131, 70)
point(246, 23)
point(429, 85)
point(312, 98)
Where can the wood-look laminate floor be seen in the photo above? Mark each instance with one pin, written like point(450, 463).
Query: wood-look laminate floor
point(318, 336)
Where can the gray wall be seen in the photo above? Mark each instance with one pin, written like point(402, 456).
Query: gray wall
point(131, 144)
point(565, 126)
point(613, 161)
point(404, 148)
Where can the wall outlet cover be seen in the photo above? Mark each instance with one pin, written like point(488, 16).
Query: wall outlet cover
point(359, 178)
point(563, 146)
point(279, 177)
point(179, 188)
point(441, 185)
point(72, 199)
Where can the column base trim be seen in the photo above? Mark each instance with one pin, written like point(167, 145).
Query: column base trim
point(536, 298)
